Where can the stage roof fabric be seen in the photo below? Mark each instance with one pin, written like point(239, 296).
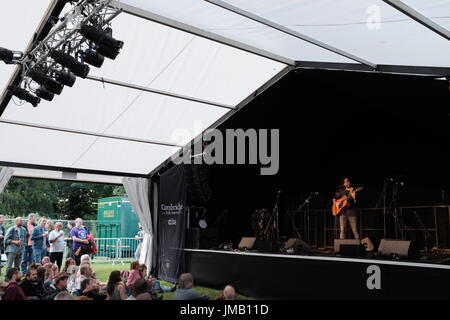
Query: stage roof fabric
point(187, 64)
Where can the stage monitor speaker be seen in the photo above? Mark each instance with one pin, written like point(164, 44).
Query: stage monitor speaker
point(192, 238)
point(352, 250)
point(247, 243)
point(295, 243)
point(339, 242)
point(394, 247)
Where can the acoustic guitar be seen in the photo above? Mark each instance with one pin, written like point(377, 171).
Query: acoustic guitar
point(342, 203)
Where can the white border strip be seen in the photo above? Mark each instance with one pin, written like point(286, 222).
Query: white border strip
point(369, 261)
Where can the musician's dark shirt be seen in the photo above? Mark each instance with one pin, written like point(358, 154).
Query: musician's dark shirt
point(342, 191)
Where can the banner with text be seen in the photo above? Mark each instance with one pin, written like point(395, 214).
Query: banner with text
point(172, 222)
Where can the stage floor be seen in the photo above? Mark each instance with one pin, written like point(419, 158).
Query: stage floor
point(287, 276)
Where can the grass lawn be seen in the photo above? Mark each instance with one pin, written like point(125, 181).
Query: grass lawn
point(103, 269)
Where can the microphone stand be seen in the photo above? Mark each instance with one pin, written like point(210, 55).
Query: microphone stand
point(274, 216)
point(299, 209)
point(426, 233)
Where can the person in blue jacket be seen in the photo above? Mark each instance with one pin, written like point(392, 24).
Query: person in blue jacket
point(15, 244)
point(38, 239)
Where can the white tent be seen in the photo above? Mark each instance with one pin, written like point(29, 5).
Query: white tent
point(189, 64)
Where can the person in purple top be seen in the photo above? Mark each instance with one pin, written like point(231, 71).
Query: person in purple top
point(79, 238)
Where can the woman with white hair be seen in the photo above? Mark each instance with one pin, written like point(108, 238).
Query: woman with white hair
point(57, 243)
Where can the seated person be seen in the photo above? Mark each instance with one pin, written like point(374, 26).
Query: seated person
point(49, 275)
point(135, 273)
point(90, 289)
point(30, 285)
point(60, 285)
point(138, 287)
point(84, 272)
point(229, 293)
point(12, 290)
point(64, 295)
point(45, 260)
point(185, 291)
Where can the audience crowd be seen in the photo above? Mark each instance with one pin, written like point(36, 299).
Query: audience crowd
point(35, 270)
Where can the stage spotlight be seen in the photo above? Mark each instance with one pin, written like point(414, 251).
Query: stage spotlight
point(101, 38)
point(65, 78)
point(49, 83)
point(93, 58)
point(107, 51)
point(43, 93)
point(6, 55)
point(66, 60)
point(23, 94)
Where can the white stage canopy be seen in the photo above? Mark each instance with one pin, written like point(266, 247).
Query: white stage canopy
point(188, 64)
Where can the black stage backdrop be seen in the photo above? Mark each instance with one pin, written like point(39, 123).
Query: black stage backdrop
point(172, 223)
point(399, 126)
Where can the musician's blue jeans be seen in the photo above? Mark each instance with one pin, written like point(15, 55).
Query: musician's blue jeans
point(346, 217)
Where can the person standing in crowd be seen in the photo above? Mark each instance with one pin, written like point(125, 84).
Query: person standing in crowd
point(28, 256)
point(30, 285)
point(69, 242)
point(38, 239)
point(56, 239)
point(79, 237)
point(139, 237)
point(15, 243)
point(48, 228)
point(12, 290)
point(2, 233)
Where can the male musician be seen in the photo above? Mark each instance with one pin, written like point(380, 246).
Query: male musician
point(349, 214)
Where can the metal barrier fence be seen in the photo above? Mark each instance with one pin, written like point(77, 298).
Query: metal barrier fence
point(116, 249)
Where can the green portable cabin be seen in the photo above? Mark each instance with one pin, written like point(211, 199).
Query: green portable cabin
point(116, 218)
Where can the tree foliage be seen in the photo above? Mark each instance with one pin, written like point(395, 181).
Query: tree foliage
point(54, 199)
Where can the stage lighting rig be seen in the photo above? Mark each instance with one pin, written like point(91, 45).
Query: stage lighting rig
point(80, 37)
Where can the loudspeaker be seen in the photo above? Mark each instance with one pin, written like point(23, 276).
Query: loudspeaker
point(352, 250)
point(209, 238)
point(192, 238)
point(400, 248)
point(247, 243)
point(267, 246)
point(198, 185)
point(339, 242)
point(296, 243)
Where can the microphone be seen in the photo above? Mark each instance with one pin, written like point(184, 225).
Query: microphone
point(389, 179)
point(314, 193)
